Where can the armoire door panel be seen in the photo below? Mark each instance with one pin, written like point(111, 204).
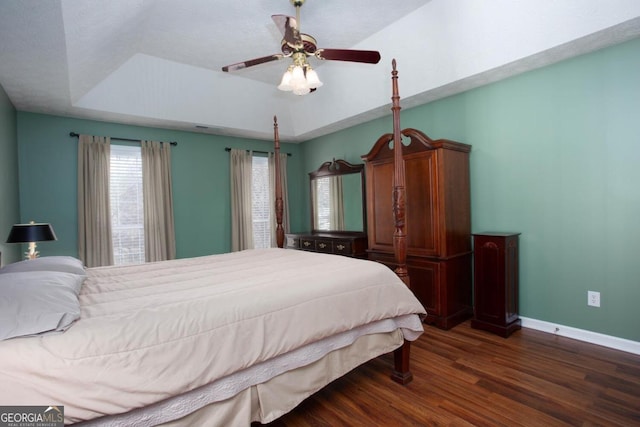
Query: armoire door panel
point(380, 209)
point(425, 277)
point(422, 201)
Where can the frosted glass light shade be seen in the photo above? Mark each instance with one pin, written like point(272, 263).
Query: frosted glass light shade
point(285, 83)
point(297, 77)
point(301, 90)
point(313, 81)
point(300, 80)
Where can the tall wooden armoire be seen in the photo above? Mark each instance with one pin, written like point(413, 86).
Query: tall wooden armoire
point(438, 221)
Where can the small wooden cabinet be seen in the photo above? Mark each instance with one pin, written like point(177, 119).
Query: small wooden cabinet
point(496, 282)
point(351, 244)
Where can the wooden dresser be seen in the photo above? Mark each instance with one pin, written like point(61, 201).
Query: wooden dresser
point(438, 221)
point(340, 243)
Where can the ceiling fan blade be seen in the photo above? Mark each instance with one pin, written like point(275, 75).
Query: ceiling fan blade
point(367, 56)
point(288, 27)
point(252, 62)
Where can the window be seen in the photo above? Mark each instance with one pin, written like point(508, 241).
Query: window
point(323, 197)
point(127, 209)
point(260, 202)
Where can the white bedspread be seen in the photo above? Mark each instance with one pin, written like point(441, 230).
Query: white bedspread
point(153, 331)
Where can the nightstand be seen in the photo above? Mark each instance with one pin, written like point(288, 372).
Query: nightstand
point(495, 293)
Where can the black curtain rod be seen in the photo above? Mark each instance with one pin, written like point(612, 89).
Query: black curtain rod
point(257, 151)
point(123, 139)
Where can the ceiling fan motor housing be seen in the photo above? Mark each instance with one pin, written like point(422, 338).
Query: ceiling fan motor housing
point(309, 45)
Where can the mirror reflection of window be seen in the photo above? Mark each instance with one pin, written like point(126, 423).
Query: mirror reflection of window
point(329, 197)
point(337, 199)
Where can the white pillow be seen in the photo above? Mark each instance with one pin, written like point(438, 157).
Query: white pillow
point(38, 301)
point(64, 264)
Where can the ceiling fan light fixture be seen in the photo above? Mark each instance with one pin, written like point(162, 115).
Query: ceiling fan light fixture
point(313, 81)
point(285, 83)
point(297, 77)
point(294, 80)
point(302, 90)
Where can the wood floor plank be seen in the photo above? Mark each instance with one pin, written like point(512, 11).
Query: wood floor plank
point(468, 377)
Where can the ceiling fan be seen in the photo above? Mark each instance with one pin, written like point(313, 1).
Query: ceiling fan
point(300, 78)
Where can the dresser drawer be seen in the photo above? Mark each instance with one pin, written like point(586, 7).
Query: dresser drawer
point(293, 242)
point(342, 247)
point(307, 244)
point(324, 245)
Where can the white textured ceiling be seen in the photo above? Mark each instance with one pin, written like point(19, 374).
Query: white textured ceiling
point(158, 62)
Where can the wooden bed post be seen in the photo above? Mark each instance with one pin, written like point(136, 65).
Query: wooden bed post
point(401, 356)
point(278, 183)
point(399, 192)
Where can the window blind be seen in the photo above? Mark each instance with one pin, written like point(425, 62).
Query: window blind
point(127, 209)
point(260, 206)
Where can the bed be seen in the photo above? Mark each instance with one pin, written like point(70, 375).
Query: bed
point(216, 340)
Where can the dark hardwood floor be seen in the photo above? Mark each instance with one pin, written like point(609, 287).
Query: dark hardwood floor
point(468, 377)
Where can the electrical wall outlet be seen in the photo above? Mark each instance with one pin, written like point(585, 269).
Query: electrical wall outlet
point(593, 298)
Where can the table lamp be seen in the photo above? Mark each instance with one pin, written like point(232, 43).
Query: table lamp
point(31, 233)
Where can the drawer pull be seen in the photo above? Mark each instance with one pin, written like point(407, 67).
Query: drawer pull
point(322, 245)
point(307, 243)
point(341, 247)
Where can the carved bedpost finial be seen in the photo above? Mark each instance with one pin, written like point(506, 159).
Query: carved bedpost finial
point(278, 182)
point(399, 192)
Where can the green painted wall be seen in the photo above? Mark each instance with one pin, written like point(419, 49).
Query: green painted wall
point(9, 202)
point(556, 156)
point(200, 172)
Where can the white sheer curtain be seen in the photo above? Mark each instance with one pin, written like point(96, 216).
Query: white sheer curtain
point(336, 203)
point(241, 218)
point(95, 244)
point(159, 232)
point(272, 195)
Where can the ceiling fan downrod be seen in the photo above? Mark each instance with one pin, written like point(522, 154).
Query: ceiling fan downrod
point(298, 4)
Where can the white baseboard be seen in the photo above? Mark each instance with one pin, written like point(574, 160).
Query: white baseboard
point(582, 335)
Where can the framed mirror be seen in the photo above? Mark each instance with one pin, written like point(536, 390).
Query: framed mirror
point(337, 192)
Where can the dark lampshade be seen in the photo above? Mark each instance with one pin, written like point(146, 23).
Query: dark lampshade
point(27, 233)
point(31, 233)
